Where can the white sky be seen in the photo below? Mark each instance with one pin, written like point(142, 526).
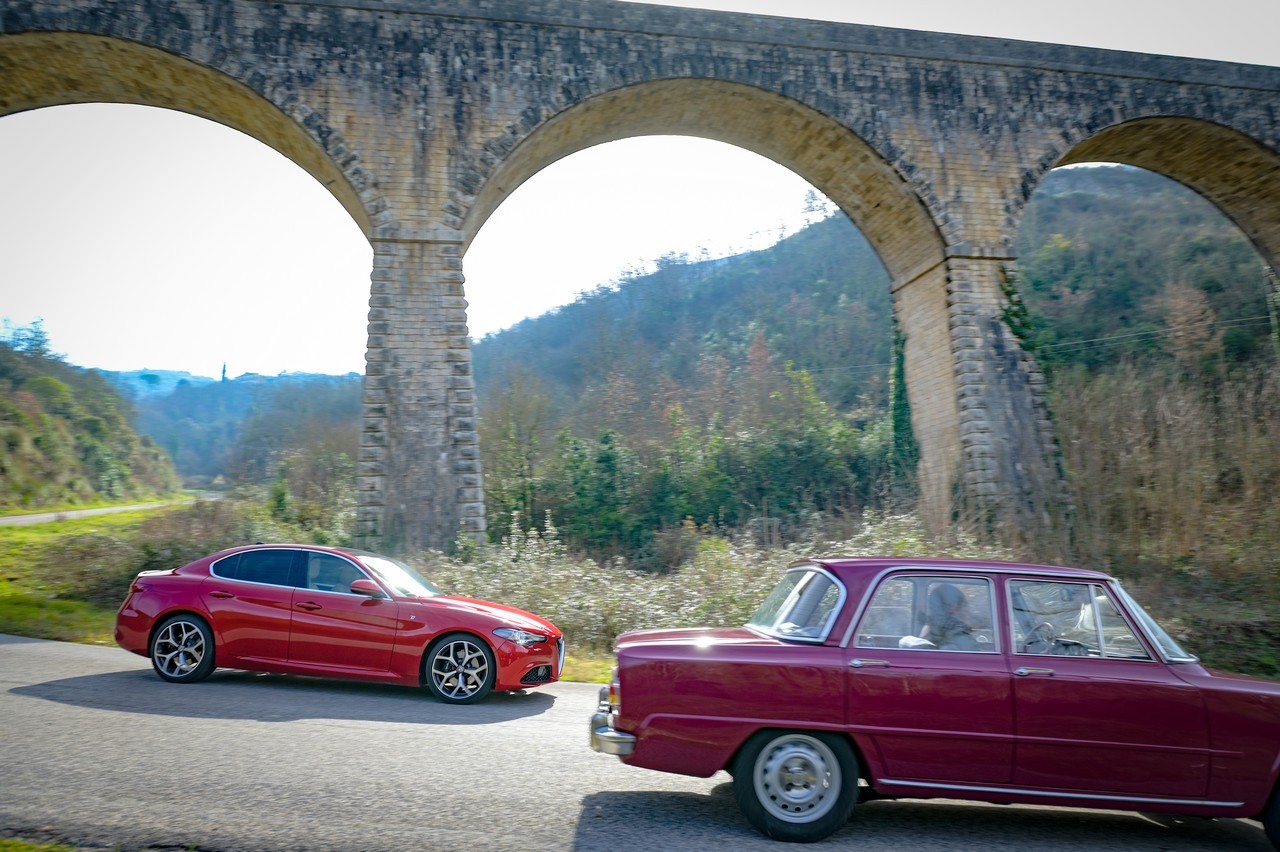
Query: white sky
point(152, 239)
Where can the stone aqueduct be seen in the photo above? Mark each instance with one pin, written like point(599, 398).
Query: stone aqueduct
point(421, 116)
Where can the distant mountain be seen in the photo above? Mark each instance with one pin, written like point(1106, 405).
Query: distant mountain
point(140, 384)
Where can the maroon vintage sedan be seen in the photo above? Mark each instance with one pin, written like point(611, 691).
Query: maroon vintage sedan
point(911, 678)
point(328, 612)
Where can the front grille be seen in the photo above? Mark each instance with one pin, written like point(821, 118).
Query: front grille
point(538, 674)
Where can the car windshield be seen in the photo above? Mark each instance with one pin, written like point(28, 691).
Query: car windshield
point(402, 579)
point(802, 606)
point(1169, 647)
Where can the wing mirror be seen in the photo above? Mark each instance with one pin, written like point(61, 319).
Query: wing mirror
point(365, 586)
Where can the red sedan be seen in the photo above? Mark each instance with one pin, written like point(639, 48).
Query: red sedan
point(908, 678)
point(328, 612)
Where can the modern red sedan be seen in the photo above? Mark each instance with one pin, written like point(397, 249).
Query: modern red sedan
point(329, 612)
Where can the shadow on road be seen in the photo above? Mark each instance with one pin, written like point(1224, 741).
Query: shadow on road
point(229, 694)
point(673, 820)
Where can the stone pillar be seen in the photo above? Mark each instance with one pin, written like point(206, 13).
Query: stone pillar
point(1011, 470)
point(979, 405)
point(921, 306)
point(419, 477)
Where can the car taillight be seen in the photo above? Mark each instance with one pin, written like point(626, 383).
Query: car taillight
point(615, 693)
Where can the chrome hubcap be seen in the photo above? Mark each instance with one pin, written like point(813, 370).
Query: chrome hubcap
point(797, 778)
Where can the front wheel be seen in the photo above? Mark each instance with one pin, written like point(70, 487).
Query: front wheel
point(182, 649)
point(459, 669)
point(796, 786)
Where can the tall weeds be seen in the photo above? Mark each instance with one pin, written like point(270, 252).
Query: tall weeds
point(1175, 476)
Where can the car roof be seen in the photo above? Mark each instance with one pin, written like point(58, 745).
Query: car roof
point(867, 565)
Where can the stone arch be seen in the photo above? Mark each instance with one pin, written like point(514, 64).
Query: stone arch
point(1238, 174)
point(879, 201)
point(899, 219)
point(54, 69)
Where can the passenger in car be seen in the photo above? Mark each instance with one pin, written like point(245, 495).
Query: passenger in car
point(946, 626)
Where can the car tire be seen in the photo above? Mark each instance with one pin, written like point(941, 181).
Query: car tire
point(797, 786)
point(182, 649)
point(1271, 818)
point(459, 669)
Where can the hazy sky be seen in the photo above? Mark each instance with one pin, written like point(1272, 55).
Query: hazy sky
point(146, 238)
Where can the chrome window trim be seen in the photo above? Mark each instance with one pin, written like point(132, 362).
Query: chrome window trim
point(1090, 584)
point(809, 567)
point(940, 573)
point(363, 573)
point(939, 570)
point(214, 564)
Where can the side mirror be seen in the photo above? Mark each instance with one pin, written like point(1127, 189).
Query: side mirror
point(365, 586)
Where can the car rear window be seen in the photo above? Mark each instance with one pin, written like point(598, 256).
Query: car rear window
point(258, 566)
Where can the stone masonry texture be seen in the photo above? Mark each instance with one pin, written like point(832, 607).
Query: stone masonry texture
point(421, 116)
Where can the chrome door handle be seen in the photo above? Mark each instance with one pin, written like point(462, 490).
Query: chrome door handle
point(859, 663)
point(1024, 671)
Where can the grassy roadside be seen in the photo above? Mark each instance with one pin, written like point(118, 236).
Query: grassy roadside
point(12, 844)
point(28, 606)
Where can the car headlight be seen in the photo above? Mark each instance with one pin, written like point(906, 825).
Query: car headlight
point(521, 637)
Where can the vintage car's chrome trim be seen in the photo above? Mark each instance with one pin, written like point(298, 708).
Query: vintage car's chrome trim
point(606, 740)
point(809, 566)
point(1051, 794)
point(923, 570)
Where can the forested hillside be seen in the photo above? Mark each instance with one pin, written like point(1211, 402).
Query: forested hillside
point(67, 433)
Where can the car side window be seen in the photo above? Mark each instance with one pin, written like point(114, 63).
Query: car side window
point(266, 566)
point(930, 613)
point(1070, 620)
point(329, 573)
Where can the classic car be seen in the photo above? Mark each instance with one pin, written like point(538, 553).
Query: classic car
point(913, 678)
point(330, 612)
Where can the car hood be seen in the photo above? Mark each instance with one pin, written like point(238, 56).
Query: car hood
point(501, 613)
point(702, 637)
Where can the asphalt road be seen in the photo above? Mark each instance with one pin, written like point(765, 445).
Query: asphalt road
point(98, 753)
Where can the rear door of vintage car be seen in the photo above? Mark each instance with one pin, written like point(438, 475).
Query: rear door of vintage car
point(923, 711)
point(1096, 709)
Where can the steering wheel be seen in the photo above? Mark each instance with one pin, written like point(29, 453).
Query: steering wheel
point(1040, 639)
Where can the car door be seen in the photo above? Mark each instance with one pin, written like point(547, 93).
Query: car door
point(932, 713)
point(1095, 709)
point(332, 627)
point(249, 596)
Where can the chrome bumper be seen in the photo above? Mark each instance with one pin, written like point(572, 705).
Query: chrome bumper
point(604, 738)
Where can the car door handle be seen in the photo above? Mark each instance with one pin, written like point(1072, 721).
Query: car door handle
point(308, 605)
point(221, 595)
point(859, 663)
point(1024, 671)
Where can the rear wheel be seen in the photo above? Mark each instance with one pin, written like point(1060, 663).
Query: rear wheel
point(1271, 819)
point(459, 669)
point(182, 649)
point(796, 785)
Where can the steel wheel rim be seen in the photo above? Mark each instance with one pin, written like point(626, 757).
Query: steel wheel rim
point(797, 778)
point(459, 669)
point(179, 649)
